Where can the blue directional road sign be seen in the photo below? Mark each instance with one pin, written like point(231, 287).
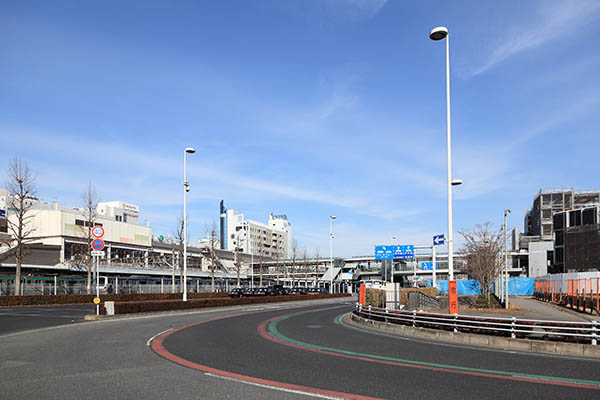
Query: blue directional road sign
point(404, 252)
point(439, 239)
point(384, 252)
point(428, 265)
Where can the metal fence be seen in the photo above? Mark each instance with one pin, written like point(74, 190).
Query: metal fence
point(57, 286)
point(575, 332)
point(579, 291)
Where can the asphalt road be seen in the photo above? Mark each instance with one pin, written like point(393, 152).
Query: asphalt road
point(26, 318)
point(284, 351)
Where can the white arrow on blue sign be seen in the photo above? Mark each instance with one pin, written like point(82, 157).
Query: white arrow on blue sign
point(439, 239)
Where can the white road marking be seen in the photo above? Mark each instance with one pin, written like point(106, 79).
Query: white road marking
point(158, 334)
point(320, 396)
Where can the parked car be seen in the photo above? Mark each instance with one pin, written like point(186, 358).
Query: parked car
point(237, 292)
point(316, 290)
point(286, 291)
point(248, 292)
point(261, 291)
point(298, 290)
point(275, 290)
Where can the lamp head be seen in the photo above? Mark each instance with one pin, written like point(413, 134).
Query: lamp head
point(332, 217)
point(190, 150)
point(456, 182)
point(438, 33)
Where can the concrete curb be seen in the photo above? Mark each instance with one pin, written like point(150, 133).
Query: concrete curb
point(470, 339)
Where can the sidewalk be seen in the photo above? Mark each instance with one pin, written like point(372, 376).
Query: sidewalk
point(534, 309)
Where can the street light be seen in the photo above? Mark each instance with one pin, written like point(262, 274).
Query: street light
point(331, 218)
point(506, 212)
point(186, 188)
point(436, 34)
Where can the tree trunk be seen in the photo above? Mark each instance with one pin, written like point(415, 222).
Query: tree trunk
point(89, 275)
point(18, 273)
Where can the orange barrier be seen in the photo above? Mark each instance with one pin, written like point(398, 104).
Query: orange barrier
point(363, 294)
point(578, 293)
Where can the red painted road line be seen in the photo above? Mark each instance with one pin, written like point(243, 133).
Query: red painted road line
point(263, 332)
point(158, 347)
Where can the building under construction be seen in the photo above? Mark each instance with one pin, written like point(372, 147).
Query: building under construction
point(571, 221)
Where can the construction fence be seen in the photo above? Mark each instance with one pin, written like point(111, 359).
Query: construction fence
point(577, 290)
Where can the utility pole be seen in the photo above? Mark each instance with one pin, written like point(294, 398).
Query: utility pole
point(506, 257)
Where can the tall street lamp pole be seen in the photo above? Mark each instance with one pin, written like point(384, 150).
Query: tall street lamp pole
point(186, 188)
point(506, 212)
point(440, 33)
point(331, 218)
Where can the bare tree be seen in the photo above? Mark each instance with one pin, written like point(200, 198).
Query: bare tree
point(179, 238)
point(89, 201)
point(237, 258)
point(305, 264)
point(295, 251)
point(261, 256)
point(277, 256)
point(482, 250)
point(212, 248)
point(21, 193)
point(316, 265)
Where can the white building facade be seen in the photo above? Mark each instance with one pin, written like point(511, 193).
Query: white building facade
point(273, 240)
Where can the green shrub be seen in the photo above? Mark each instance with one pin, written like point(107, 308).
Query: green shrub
point(168, 305)
point(29, 300)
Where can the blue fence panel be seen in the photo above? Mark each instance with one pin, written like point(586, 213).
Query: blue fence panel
point(516, 287)
point(464, 287)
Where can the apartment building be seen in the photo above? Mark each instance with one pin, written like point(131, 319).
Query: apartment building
point(272, 240)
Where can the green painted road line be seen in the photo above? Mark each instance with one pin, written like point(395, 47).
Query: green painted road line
point(272, 329)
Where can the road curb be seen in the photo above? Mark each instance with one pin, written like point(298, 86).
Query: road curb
point(470, 339)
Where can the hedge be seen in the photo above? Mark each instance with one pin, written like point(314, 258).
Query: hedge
point(29, 300)
point(168, 305)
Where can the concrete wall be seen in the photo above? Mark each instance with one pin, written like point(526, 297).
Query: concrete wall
point(538, 258)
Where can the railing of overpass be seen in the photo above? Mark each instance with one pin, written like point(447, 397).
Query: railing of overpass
point(578, 332)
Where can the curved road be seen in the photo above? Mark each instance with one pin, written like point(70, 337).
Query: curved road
point(272, 352)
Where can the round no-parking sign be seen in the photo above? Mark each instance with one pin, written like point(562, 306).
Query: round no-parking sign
point(98, 244)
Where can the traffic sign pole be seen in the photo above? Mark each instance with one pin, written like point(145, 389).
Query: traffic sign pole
point(434, 264)
point(97, 287)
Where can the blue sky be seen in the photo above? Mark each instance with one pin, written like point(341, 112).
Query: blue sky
point(304, 108)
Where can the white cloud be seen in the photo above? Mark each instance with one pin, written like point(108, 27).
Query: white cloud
point(153, 178)
point(361, 8)
point(555, 19)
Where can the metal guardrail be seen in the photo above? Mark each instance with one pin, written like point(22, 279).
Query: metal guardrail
point(578, 332)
